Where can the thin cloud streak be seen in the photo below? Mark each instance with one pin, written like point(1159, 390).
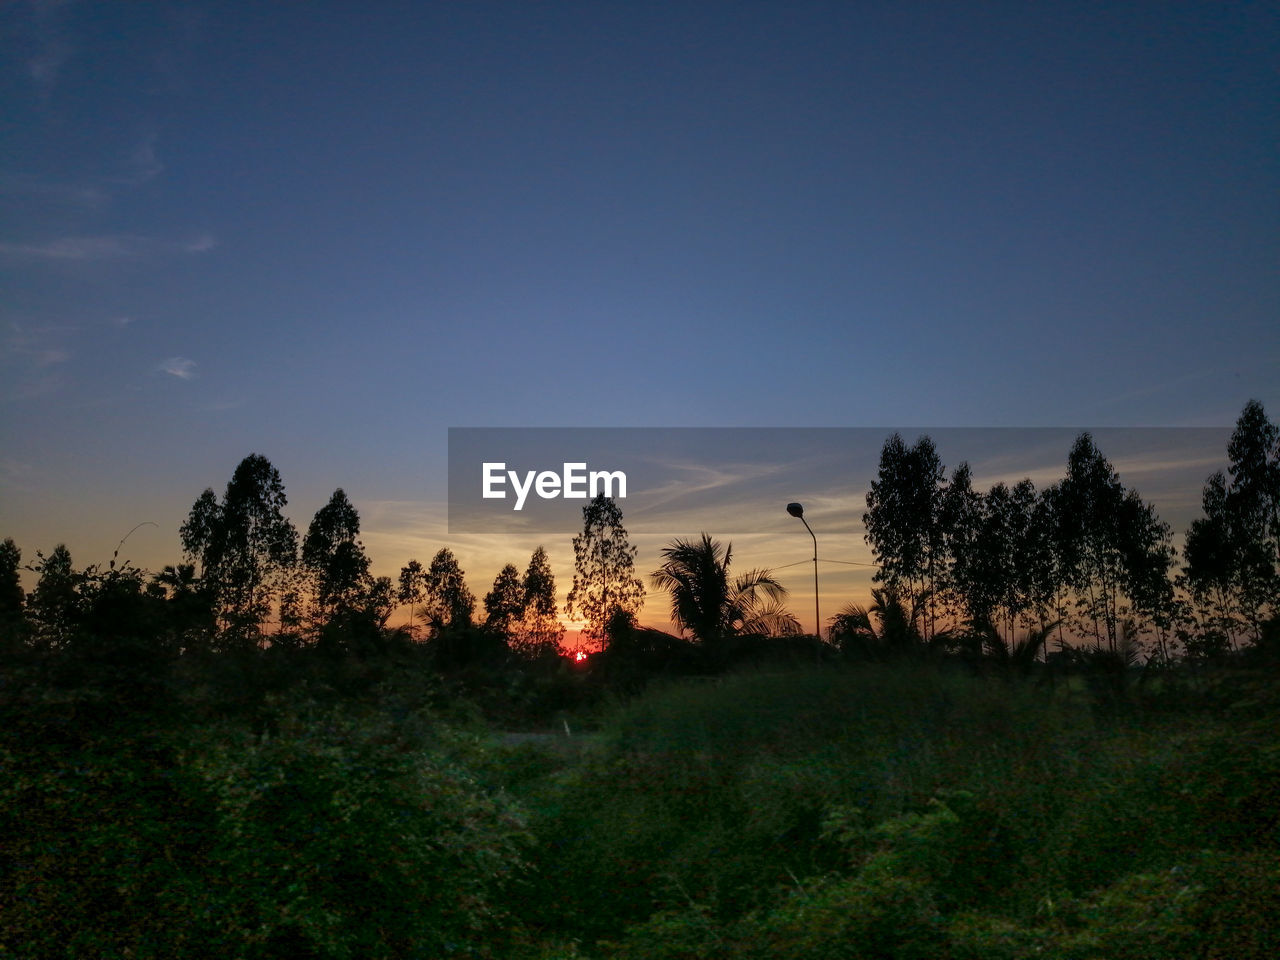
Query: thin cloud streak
point(35, 357)
point(701, 478)
point(28, 186)
point(47, 358)
point(141, 164)
point(179, 367)
point(107, 247)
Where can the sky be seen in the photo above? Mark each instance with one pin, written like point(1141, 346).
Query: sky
point(328, 232)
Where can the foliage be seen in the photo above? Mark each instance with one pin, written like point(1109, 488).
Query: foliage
point(899, 631)
point(449, 604)
point(169, 789)
point(604, 568)
point(244, 545)
point(904, 507)
point(907, 813)
point(996, 574)
point(1020, 654)
point(1111, 544)
point(898, 810)
point(12, 596)
point(340, 846)
point(188, 606)
point(504, 604)
point(707, 603)
point(540, 630)
point(1233, 552)
point(411, 588)
point(55, 605)
point(334, 557)
point(329, 838)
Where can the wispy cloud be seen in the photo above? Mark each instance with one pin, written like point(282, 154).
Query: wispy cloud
point(120, 246)
point(220, 406)
point(39, 346)
point(1221, 373)
point(179, 367)
point(141, 163)
point(199, 244)
point(73, 248)
point(48, 358)
point(52, 51)
point(42, 189)
point(32, 360)
point(46, 66)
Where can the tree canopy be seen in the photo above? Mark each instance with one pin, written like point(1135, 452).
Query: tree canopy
point(604, 580)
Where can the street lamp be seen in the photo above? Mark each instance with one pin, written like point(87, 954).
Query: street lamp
point(798, 511)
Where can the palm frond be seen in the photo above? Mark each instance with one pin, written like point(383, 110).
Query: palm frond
point(705, 602)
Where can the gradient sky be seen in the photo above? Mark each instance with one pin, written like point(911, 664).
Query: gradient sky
point(326, 232)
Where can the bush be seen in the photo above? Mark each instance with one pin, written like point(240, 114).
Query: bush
point(332, 838)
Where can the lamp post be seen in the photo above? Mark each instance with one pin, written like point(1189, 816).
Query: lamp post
point(796, 510)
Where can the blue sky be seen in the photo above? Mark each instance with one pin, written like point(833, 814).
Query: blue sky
point(327, 232)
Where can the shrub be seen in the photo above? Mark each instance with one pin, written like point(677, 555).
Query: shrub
point(330, 838)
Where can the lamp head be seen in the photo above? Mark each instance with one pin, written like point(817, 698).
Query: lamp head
point(795, 510)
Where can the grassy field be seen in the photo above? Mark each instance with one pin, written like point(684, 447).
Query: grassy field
point(911, 812)
point(890, 812)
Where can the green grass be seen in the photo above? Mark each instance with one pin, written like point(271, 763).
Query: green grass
point(708, 813)
point(892, 812)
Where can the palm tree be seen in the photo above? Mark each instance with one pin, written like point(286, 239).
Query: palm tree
point(1019, 655)
point(712, 607)
point(190, 602)
point(900, 630)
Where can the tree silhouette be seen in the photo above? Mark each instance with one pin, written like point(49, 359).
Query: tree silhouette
point(55, 605)
point(411, 589)
point(710, 605)
point(1253, 504)
point(961, 519)
point(189, 606)
point(12, 597)
point(1212, 560)
point(379, 601)
point(887, 629)
point(1111, 544)
point(604, 562)
point(448, 601)
point(540, 629)
point(1014, 655)
point(1040, 573)
point(334, 557)
point(244, 545)
point(904, 509)
point(999, 567)
point(203, 535)
point(504, 604)
point(1233, 552)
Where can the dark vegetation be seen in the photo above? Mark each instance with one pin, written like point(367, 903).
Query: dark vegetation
point(238, 757)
